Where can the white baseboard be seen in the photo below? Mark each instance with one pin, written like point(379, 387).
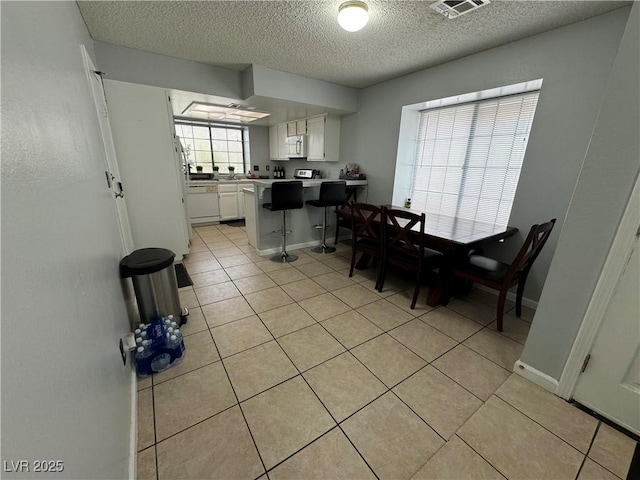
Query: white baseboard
point(536, 376)
point(527, 302)
point(133, 429)
point(295, 246)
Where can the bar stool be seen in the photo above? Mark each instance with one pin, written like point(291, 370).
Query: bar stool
point(332, 194)
point(285, 196)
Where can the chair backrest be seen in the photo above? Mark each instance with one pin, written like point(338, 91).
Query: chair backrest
point(286, 195)
point(404, 234)
point(333, 193)
point(538, 236)
point(366, 223)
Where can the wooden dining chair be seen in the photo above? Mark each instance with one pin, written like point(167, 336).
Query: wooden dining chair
point(502, 276)
point(343, 212)
point(403, 247)
point(366, 236)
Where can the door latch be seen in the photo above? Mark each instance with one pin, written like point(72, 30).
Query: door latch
point(120, 192)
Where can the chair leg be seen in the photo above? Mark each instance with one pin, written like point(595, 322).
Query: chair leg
point(353, 260)
point(416, 290)
point(335, 242)
point(382, 274)
point(283, 256)
point(323, 247)
point(519, 293)
point(502, 298)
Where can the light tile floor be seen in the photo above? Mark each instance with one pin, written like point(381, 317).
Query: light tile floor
point(301, 372)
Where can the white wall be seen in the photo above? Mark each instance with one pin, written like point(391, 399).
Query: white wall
point(135, 66)
point(65, 393)
point(266, 82)
point(574, 61)
point(602, 192)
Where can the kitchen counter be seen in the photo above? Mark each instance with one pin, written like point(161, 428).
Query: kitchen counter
point(261, 223)
point(206, 183)
point(261, 185)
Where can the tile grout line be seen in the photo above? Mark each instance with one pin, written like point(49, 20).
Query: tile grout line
point(478, 453)
point(327, 410)
point(346, 350)
point(541, 426)
point(495, 394)
point(600, 423)
point(239, 405)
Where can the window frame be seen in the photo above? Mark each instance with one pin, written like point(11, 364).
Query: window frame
point(212, 125)
point(409, 123)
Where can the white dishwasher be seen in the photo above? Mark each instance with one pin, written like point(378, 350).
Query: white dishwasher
point(203, 204)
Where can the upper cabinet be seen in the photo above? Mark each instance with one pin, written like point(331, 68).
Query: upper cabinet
point(278, 142)
point(298, 127)
point(282, 141)
point(273, 142)
point(324, 139)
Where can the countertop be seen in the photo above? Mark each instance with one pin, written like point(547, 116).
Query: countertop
point(309, 183)
point(266, 183)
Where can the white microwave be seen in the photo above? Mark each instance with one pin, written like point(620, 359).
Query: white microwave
point(296, 147)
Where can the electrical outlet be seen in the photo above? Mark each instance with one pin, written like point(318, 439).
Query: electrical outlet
point(256, 168)
point(267, 167)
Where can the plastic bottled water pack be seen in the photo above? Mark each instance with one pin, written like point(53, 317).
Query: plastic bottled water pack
point(159, 345)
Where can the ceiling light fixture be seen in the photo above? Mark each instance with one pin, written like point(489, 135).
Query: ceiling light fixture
point(353, 15)
point(231, 112)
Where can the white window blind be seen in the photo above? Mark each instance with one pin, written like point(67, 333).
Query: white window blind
point(469, 156)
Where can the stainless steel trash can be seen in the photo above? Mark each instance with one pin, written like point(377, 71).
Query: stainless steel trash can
point(154, 283)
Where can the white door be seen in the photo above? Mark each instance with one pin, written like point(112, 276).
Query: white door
point(610, 384)
point(113, 180)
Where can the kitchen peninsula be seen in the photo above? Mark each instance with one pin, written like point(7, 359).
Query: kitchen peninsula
point(261, 222)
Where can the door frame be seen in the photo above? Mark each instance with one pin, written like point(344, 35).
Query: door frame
point(111, 161)
point(618, 256)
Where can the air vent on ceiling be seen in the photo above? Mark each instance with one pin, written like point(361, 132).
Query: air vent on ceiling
point(455, 8)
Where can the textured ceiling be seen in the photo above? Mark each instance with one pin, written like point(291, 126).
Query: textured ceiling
point(303, 37)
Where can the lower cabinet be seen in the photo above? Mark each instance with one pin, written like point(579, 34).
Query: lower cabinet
point(231, 199)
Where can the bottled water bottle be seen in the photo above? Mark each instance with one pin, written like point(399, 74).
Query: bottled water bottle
point(143, 355)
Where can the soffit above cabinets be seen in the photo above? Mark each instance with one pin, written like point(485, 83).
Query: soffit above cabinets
point(304, 38)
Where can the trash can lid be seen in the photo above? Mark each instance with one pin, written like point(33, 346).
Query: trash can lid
point(146, 261)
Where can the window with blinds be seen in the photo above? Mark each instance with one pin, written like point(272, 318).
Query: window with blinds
point(469, 156)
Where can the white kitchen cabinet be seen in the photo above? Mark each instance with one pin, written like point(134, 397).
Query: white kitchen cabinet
point(141, 120)
point(278, 142)
point(323, 133)
point(228, 200)
point(273, 142)
point(241, 212)
point(301, 127)
point(282, 141)
point(231, 199)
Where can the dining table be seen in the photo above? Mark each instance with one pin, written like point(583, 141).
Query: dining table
point(454, 237)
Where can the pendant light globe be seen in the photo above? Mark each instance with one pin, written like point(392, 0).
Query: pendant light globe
point(353, 15)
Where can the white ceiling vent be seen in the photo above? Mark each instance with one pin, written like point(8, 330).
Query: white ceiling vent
point(455, 8)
